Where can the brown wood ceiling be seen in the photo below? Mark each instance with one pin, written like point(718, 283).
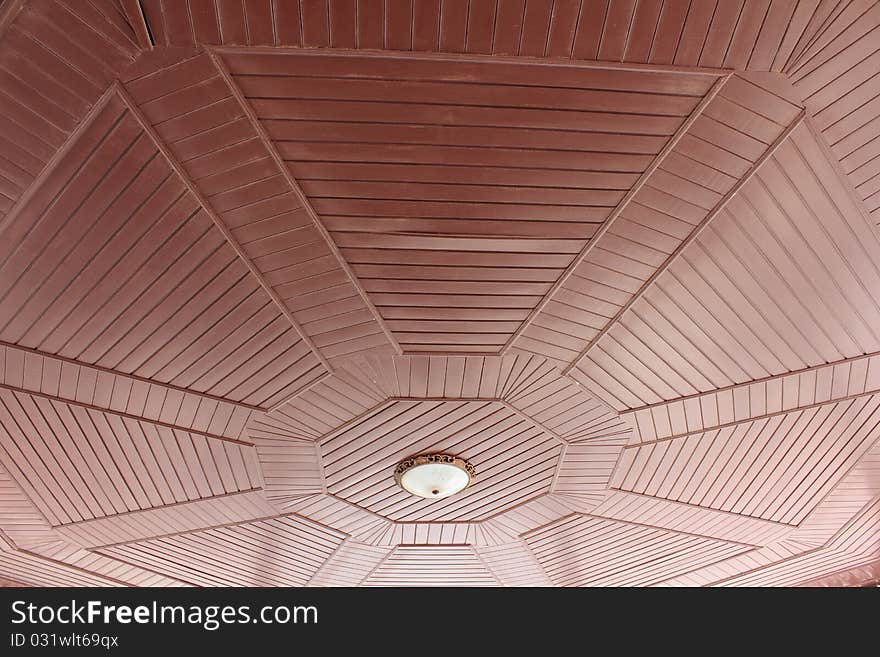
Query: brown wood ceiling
point(620, 254)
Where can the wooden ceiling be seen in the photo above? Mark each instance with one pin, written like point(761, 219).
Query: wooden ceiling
point(621, 254)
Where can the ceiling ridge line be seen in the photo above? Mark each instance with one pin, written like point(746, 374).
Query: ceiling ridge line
point(558, 469)
point(134, 16)
point(692, 237)
point(50, 166)
point(120, 559)
point(849, 523)
point(183, 532)
point(845, 576)
point(299, 391)
point(818, 506)
point(670, 145)
point(697, 507)
point(537, 424)
point(473, 548)
point(124, 414)
point(34, 508)
point(756, 418)
point(391, 550)
point(746, 384)
point(806, 43)
point(521, 60)
point(63, 543)
point(124, 375)
point(328, 560)
point(157, 508)
point(669, 529)
point(80, 569)
point(297, 190)
point(750, 571)
point(203, 202)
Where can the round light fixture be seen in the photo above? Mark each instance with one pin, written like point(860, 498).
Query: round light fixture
point(434, 476)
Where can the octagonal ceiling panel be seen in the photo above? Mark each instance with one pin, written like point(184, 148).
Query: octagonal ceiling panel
point(516, 459)
point(239, 283)
point(450, 192)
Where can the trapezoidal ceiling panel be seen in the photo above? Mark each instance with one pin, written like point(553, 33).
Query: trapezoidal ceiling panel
point(459, 195)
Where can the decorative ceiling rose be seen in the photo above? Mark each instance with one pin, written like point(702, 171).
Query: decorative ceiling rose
point(434, 476)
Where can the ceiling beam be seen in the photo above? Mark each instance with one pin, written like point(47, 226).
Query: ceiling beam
point(767, 154)
point(621, 206)
point(837, 385)
point(269, 145)
point(148, 128)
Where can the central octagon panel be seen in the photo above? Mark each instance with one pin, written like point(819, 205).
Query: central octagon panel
point(514, 459)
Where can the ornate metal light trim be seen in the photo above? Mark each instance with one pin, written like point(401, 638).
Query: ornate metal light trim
point(434, 476)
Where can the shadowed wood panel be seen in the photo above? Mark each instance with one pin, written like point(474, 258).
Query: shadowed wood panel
point(193, 110)
point(56, 59)
point(582, 551)
point(168, 520)
point(777, 469)
point(733, 131)
point(432, 566)
point(760, 34)
point(77, 463)
point(784, 278)
point(420, 175)
point(517, 459)
point(284, 551)
point(114, 264)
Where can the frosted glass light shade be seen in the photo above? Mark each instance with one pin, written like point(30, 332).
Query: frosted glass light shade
point(434, 476)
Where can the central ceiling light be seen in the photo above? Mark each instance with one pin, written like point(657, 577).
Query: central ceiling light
point(434, 476)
